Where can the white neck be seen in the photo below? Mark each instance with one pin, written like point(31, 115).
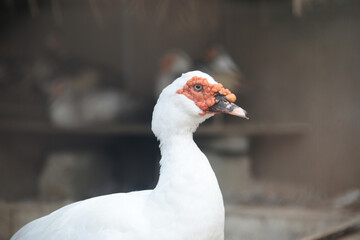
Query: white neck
point(187, 191)
point(185, 170)
point(180, 159)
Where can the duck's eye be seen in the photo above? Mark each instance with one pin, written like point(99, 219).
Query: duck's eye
point(198, 87)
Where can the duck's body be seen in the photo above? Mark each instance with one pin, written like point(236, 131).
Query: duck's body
point(186, 203)
point(173, 210)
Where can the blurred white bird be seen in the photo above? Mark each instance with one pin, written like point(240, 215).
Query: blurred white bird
point(219, 64)
point(173, 63)
point(185, 204)
point(350, 198)
point(74, 175)
point(78, 100)
point(81, 94)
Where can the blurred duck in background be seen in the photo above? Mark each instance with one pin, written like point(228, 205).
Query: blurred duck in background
point(82, 96)
point(74, 175)
point(77, 100)
point(219, 64)
point(172, 64)
point(215, 60)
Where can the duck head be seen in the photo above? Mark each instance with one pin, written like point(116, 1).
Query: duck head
point(190, 100)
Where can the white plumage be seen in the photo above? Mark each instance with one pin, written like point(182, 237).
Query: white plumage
point(186, 203)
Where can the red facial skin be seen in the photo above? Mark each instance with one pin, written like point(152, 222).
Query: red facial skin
point(206, 97)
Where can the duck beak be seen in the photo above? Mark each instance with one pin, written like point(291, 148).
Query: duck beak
point(225, 106)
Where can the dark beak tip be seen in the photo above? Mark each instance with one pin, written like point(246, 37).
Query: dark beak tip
point(246, 115)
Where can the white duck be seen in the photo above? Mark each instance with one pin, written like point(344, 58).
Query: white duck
point(185, 204)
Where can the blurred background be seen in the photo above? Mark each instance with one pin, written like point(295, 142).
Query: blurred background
point(79, 79)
